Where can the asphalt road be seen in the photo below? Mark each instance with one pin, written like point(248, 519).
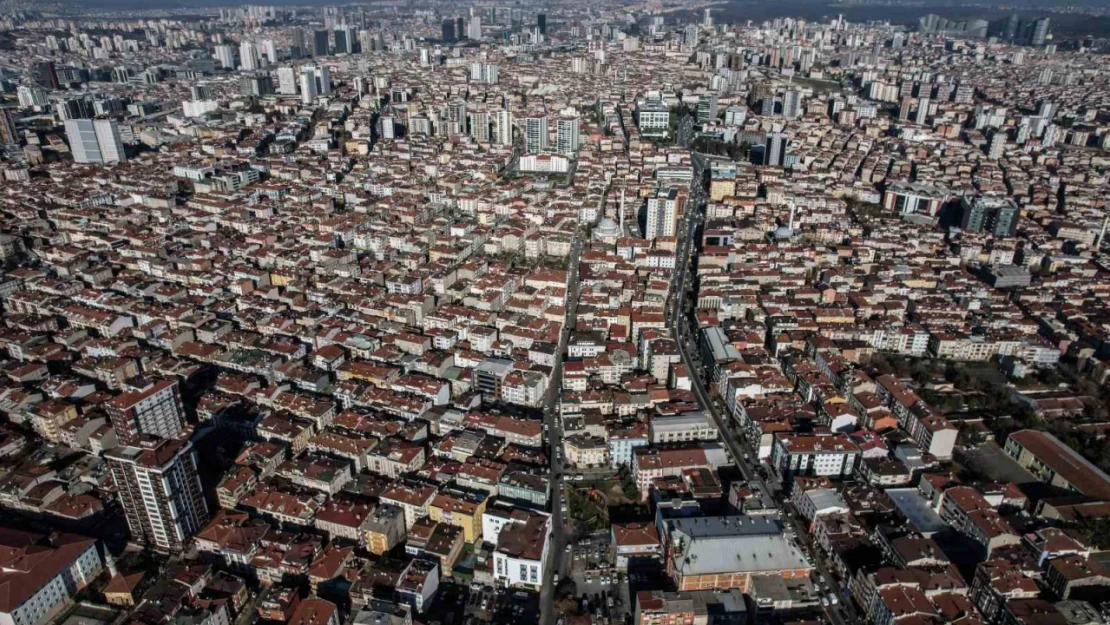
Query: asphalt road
point(559, 531)
point(681, 323)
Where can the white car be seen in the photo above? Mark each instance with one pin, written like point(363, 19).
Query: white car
point(833, 600)
point(824, 602)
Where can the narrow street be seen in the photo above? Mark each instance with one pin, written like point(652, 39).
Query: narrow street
point(555, 560)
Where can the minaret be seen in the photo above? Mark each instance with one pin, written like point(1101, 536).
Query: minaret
point(620, 215)
point(793, 207)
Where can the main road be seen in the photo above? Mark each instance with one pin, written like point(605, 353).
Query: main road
point(553, 428)
point(681, 322)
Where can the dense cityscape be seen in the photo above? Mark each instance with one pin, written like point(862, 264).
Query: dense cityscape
point(559, 314)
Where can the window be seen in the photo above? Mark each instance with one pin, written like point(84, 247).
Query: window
point(523, 572)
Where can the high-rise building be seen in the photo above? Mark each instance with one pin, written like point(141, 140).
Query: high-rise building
point(287, 81)
point(202, 92)
point(74, 108)
point(308, 85)
point(1010, 31)
point(31, 97)
point(690, 35)
point(775, 154)
point(707, 107)
point(994, 215)
point(566, 135)
point(323, 80)
point(95, 141)
point(792, 104)
point(479, 126)
point(7, 128)
point(922, 111)
point(1040, 31)
point(455, 123)
point(147, 406)
point(541, 23)
point(343, 40)
point(502, 127)
point(159, 488)
point(904, 109)
point(46, 74)
point(248, 57)
point(662, 214)
point(299, 46)
point(996, 147)
point(1050, 136)
point(448, 30)
point(485, 73)
point(707, 18)
point(474, 28)
point(767, 106)
point(535, 134)
point(269, 51)
point(320, 43)
point(226, 56)
point(460, 28)
point(387, 126)
point(256, 86)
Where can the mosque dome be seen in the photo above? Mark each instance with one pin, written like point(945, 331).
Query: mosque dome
point(607, 229)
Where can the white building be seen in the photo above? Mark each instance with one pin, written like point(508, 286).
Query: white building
point(689, 427)
point(522, 551)
point(485, 73)
point(198, 108)
point(662, 214)
point(535, 134)
point(41, 574)
point(308, 85)
point(31, 97)
point(544, 163)
point(248, 57)
point(226, 56)
point(832, 455)
point(287, 81)
point(160, 491)
point(567, 138)
point(653, 118)
point(95, 141)
point(269, 51)
point(502, 128)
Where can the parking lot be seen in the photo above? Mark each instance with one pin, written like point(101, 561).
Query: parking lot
point(602, 588)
